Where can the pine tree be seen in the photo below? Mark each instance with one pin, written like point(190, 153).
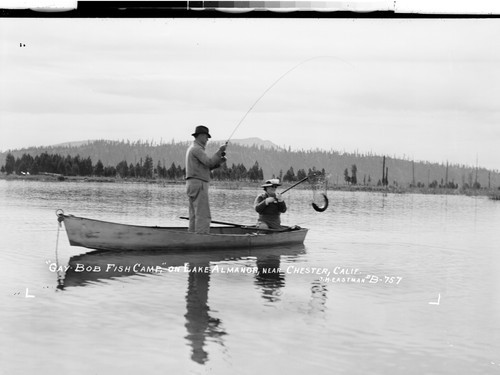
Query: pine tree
point(354, 170)
point(99, 168)
point(10, 163)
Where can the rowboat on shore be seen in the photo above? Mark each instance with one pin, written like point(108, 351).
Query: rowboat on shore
point(104, 235)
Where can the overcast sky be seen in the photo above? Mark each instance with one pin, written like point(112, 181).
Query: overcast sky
point(423, 89)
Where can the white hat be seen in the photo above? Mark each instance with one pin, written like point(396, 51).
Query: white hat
point(272, 182)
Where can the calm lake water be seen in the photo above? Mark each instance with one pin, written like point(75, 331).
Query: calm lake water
point(384, 284)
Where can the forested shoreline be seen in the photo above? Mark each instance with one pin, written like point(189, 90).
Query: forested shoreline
point(69, 166)
point(148, 161)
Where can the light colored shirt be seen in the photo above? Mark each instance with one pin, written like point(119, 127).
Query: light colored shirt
point(199, 164)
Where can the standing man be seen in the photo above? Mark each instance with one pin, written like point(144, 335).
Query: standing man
point(198, 167)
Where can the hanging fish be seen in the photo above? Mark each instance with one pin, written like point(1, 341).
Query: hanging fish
point(325, 206)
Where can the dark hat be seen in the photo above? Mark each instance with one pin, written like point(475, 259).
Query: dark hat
point(272, 182)
point(201, 130)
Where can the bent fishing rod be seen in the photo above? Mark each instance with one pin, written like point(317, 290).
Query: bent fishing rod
point(273, 84)
point(264, 93)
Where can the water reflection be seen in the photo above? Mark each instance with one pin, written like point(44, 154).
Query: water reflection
point(317, 304)
point(270, 278)
point(200, 322)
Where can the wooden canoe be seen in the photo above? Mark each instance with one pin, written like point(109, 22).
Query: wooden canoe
point(104, 235)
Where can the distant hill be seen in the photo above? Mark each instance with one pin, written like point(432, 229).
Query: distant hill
point(255, 141)
point(274, 160)
point(252, 142)
point(74, 143)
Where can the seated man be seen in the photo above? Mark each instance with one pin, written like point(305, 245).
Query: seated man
point(270, 205)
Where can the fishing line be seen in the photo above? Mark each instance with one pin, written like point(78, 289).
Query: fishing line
point(273, 84)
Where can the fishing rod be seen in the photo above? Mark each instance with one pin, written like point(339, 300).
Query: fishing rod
point(271, 86)
point(264, 93)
